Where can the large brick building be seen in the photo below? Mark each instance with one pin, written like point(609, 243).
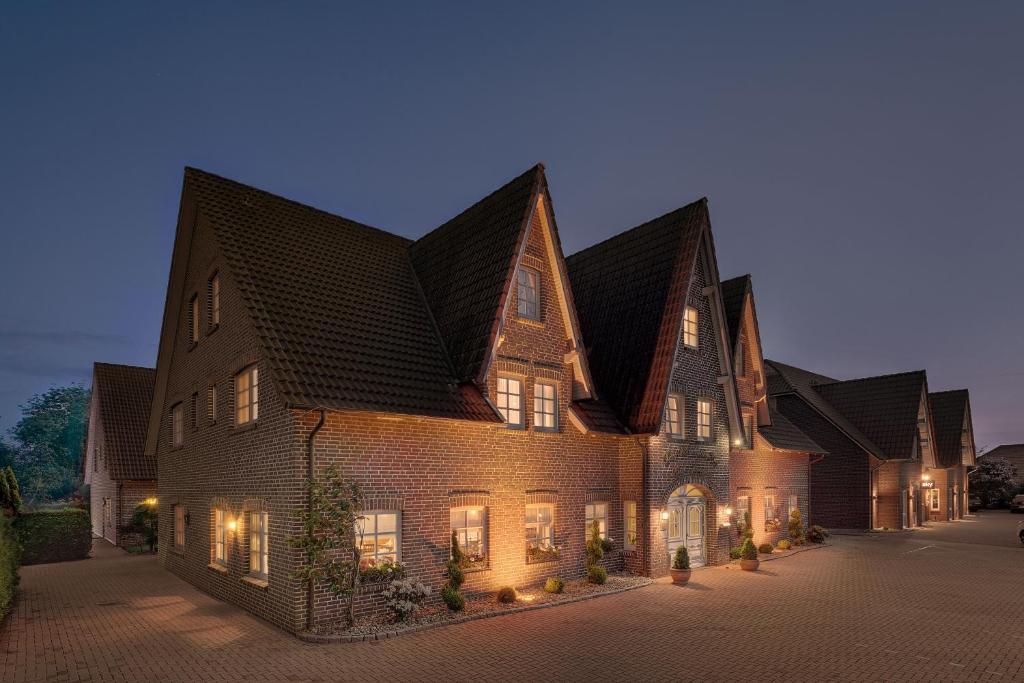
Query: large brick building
point(118, 472)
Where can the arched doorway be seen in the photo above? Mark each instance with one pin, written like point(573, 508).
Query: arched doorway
point(687, 524)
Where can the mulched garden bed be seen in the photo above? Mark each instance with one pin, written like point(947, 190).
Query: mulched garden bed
point(477, 607)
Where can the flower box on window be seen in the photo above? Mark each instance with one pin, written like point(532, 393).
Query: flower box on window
point(537, 553)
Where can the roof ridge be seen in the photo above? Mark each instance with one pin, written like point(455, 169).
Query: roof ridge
point(947, 391)
point(871, 377)
point(295, 202)
point(122, 365)
point(618, 235)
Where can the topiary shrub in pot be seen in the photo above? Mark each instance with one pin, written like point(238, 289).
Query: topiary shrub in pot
point(748, 556)
point(554, 585)
point(507, 595)
point(765, 548)
point(680, 568)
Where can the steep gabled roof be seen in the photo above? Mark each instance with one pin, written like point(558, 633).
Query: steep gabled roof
point(124, 394)
point(734, 295)
point(336, 305)
point(630, 292)
point(878, 413)
point(466, 265)
point(950, 411)
point(785, 435)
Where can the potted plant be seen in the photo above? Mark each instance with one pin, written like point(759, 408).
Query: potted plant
point(680, 566)
point(748, 556)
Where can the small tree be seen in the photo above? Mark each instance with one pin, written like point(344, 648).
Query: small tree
point(993, 480)
point(681, 559)
point(329, 536)
point(15, 490)
point(450, 593)
point(748, 527)
point(145, 518)
point(796, 524)
point(595, 551)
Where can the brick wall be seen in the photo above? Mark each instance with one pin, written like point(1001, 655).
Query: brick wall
point(761, 472)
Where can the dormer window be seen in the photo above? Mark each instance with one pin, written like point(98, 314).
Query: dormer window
point(690, 327)
point(510, 401)
point(529, 294)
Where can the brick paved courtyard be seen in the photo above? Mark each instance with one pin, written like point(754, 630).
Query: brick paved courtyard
point(920, 605)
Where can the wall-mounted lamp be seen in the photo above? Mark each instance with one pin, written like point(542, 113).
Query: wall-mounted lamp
point(737, 442)
point(664, 515)
point(926, 477)
point(150, 501)
point(232, 524)
point(728, 511)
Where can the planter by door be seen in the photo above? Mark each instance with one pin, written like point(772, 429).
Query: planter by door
point(749, 565)
point(680, 576)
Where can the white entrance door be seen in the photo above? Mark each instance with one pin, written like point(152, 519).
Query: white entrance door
point(686, 526)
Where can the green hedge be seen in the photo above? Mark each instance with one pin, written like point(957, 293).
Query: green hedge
point(54, 535)
point(9, 554)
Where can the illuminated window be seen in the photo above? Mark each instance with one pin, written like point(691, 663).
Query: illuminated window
point(933, 500)
point(510, 401)
point(703, 419)
point(179, 526)
point(771, 513)
point(597, 512)
point(675, 522)
point(629, 524)
point(378, 533)
point(674, 415)
point(470, 527)
point(193, 319)
point(259, 533)
point(545, 407)
point(794, 504)
point(690, 327)
point(247, 395)
point(213, 294)
point(540, 532)
point(220, 548)
point(177, 425)
point(529, 294)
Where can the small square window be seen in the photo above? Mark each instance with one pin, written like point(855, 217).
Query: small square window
point(247, 395)
point(510, 401)
point(690, 328)
point(177, 425)
point(529, 294)
point(704, 419)
point(545, 407)
point(674, 416)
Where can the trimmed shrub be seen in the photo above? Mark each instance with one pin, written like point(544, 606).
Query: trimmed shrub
point(10, 552)
point(597, 575)
point(54, 535)
point(456, 576)
point(748, 528)
point(554, 585)
point(796, 524)
point(595, 546)
point(748, 551)
point(507, 594)
point(817, 534)
point(681, 559)
point(783, 544)
point(453, 599)
point(765, 548)
point(799, 540)
point(734, 552)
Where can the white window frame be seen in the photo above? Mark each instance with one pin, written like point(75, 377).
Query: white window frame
point(369, 528)
point(691, 327)
point(220, 544)
point(933, 500)
point(705, 418)
point(742, 508)
point(247, 410)
point(179, 526)
point(543, 536)
point(771, 508)
point(674, 415)
point(464, 532)
point(676, 523)
point(597, 510)
point(528, 294)
point(510, 402)
point(629, 529)
point(178, 425)
point(545, 408)
point(259, 541)
point(215, 300)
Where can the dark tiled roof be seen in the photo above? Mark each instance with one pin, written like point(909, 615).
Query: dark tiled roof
point(949, 408)
point(629, 293)
point(734, 293)
point(885, 409)
point(125, 393)
point(336, 305)
point(599, 417)
point(787, 436)
point(465, 267)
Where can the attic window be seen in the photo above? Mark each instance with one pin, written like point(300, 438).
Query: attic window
point(690, 327)
point(213, 296)
point(674, 416)
point(247, 395)
point(529, 294)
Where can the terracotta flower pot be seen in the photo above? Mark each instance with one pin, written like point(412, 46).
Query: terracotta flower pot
point(680, 576)
point(749, 565)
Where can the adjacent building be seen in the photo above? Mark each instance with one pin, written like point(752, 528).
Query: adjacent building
point(119, 473)
point(945, 486)
point(1011, 453)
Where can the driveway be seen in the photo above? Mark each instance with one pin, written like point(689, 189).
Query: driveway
point(917, 605)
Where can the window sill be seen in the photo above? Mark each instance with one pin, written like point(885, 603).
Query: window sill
point(252, 424)
point(256, 581)
point(177, 550)
point(529, 322)
point(219, 568)
point(546, 430)
point(213, 328)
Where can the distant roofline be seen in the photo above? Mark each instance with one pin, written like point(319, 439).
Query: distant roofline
point(618, 235)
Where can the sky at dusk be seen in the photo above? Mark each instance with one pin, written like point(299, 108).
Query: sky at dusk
point(864, 163)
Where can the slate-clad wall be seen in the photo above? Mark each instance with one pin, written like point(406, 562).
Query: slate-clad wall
point(676, 462)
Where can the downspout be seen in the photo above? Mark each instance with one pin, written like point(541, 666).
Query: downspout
point(644, 503)
point(311, 470)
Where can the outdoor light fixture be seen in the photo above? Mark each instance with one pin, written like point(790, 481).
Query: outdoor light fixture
point(150, 501)
point(664, 515)
point(926, 477)
point(728, 511)
point(737, 442)
point(232, 525)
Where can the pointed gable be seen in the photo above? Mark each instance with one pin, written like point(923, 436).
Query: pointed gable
point(123, 394)
point(951, 424)
point(734, 299)
point(465, 268)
